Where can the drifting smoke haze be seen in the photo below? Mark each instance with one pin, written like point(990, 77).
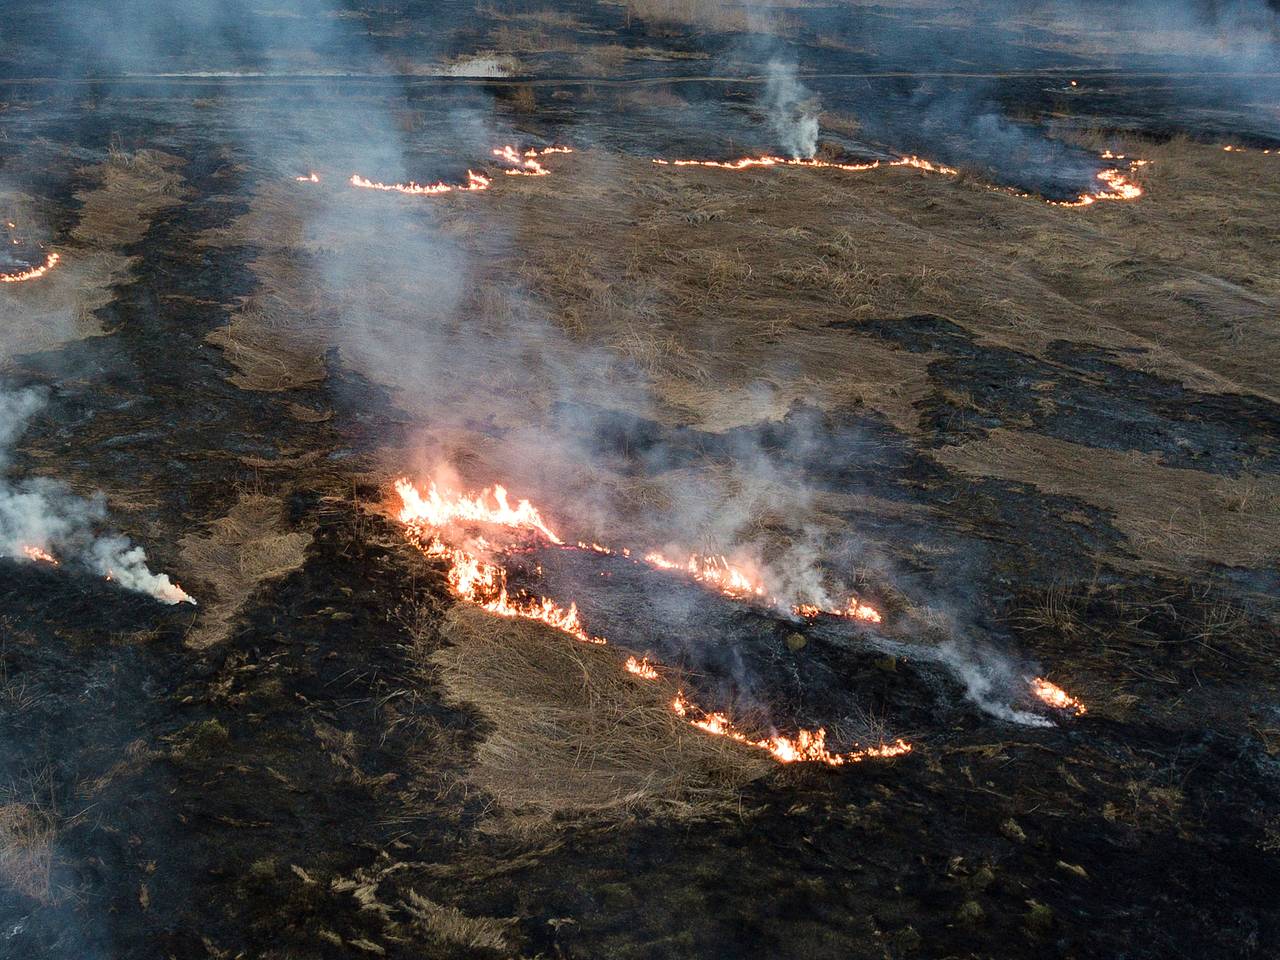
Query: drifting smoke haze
point(43, 514)
point(792, 110)
point(399, 310)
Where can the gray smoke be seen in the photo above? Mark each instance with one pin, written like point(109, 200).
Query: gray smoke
point(42, 514)
point(792, 109)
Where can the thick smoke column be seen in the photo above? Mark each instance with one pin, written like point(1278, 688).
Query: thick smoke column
point(42, 516)
point(792, 108)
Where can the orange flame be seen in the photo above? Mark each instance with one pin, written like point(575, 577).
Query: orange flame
point(855, 609)
point(806, 745)
point(1118, 186)
point(484, 583)
point(715, 571)
point(32, 552)
point(475, 181)
point(769, 161)
point(435, 510)
point(1056, 697)
point(522, 164)
point(34, 273)
point(526, 164)
point(641, 668)
point(308, 178)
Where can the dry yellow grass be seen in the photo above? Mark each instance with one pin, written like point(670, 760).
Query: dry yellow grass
point(707, 298)
point(571, 732)
point(26, 850)
point(1174, 517)
point(451, 926)
point(42, 314)
point(235, 555)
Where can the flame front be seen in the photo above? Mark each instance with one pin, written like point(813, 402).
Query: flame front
point(32, 552)
point(641, 668)
point(807, 745)
point(33, 273)
point(475, 181)
point(1117, 185)
point(746, 163)
point(431, 519)
point(1056, 697)
point(524, 164)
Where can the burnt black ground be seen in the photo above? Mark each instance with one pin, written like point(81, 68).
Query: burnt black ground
point(307, 739)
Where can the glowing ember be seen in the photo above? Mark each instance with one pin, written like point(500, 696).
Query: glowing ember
point(33, 273)
point(32, 552)
point(308, 178)
point(806, 745)
point(430, 519)
point(1056, 697)
point(641, 668)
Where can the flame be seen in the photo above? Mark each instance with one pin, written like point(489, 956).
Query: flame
point(1056, 697)
point(806, 745)
point(1117, 185)
point(746, 163)
point(431, 518)
point(524, 164)
point(33, 273)
point(172, 593)
point(435, 510)
point(715, 571)
point(641, 668)
point(308, 178)
point(32, 552)
point(475, 181)
point(1119, 188)
point(854, 609)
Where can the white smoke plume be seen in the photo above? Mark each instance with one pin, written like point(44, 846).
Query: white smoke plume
point(41, 516)
point(793, 109)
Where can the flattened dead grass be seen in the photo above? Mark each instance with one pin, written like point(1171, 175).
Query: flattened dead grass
point(236, 554)
point(133, 188)
point(1171, 516)
point(450, 925)
point(58, 308)
point(26, 849)
point(570, 731)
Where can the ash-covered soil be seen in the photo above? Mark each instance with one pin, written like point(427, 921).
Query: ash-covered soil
point(1041, 441)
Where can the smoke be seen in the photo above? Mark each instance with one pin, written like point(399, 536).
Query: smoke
point(792, 109)
point(41, 514)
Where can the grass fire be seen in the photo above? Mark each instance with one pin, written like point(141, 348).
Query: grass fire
point(640, 479)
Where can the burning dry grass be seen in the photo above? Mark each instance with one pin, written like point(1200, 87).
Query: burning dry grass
point(236, 554)
point(572, 732)
point(59, 307)
point(26, 849)
point(705, 287)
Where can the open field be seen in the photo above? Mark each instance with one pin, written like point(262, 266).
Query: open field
point(1039, 443)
